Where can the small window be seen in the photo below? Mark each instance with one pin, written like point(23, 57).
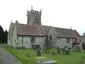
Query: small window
point(32, 39)
point(67, 40)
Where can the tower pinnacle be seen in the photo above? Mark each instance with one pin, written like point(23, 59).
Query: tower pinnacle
point(31, 7)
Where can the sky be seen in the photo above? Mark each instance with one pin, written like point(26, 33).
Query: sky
point(58, 13)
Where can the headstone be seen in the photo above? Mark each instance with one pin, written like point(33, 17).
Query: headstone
point(67, 50)
point(78, 49)
point(63, 50)
point(58, 50)
point(73, 49)
point(38, 52)
point(45, 50)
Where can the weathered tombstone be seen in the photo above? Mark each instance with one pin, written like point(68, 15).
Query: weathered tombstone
point(78, 49)
point(45, 50)
point(63, 50)
point(67, 50)
point(58, 50)
point(38, 52)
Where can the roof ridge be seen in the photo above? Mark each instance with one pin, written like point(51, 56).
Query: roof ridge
point(63, 28)
point(42, 30)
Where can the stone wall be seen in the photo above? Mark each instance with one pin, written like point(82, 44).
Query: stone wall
point(25, 41)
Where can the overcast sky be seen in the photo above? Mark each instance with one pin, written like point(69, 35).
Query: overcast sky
point(59, 13)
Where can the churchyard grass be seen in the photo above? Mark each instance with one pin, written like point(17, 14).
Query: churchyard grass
point(73, 58)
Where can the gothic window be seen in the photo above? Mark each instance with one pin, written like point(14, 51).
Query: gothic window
point(67, 40)
point(32, 39)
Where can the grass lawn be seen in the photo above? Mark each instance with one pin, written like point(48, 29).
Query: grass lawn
point(73, 58)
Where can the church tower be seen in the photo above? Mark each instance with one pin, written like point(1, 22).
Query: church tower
point(33, 17)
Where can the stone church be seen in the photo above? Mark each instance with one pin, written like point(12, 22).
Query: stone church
point(34, 34)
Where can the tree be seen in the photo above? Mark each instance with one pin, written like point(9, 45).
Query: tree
point(5, 35)
point(1, 35)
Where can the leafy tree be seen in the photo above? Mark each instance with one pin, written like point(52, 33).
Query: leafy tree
point(1, 35)
point(5, 35)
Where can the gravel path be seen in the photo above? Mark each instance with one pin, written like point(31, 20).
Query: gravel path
point(7, 58)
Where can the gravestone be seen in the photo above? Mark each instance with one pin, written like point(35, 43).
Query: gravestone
point(78, 49)
point(67, 50)
point(63, 50)
point(38, 52)
point(45, 50)
point(58, 50)
point(73, 49)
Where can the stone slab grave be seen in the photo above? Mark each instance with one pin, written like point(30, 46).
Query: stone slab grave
point(46, 62)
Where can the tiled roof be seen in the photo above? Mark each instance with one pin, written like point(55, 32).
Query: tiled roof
point(23, 29)
point(45, 29)
point(62, 32)
point(42, 30)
